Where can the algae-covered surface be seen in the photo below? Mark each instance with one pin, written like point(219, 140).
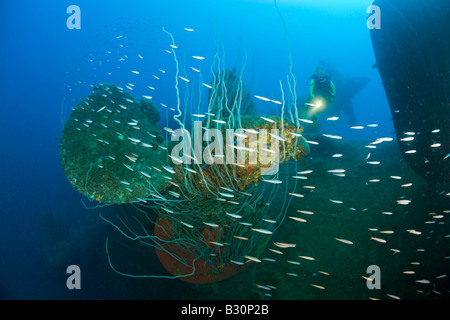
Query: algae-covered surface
point(358, 206)
point(407, 242)
point(110, 146)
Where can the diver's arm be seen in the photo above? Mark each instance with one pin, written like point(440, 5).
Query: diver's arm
point(311, 88)
point(333, 88)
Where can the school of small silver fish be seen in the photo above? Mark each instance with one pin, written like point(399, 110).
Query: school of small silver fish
point(382, 234)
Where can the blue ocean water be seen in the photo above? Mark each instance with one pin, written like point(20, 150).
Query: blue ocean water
point(47, 69)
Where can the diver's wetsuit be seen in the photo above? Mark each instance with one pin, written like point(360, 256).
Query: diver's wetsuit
point(322, 89)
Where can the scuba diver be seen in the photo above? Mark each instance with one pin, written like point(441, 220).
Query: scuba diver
point(323, 101)
point(321, 93)
point(321, 89)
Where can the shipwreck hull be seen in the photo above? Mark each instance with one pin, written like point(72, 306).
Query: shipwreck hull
point(412, 51)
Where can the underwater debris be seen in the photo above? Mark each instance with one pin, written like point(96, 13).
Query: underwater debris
point(140, 167)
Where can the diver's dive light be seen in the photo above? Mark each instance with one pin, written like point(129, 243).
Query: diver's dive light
point(317, 105)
